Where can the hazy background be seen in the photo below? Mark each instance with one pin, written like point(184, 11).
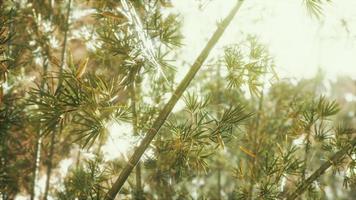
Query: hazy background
point(299, 43)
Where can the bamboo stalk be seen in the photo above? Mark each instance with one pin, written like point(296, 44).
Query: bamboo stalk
point(49, 164)
point(320, 171)
point(255, 138)
point(219, 183)
point(133, 90)
point(116, 187)
point(64, 44)
point(38, 144)
point(139, 192)
point(53, 136)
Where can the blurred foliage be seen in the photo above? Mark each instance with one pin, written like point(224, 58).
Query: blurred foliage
point(85, 181)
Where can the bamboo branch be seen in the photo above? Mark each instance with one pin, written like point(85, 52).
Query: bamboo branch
point(333, 159)
point(171, 103)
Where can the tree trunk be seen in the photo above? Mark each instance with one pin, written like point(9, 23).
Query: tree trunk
point(171, 103)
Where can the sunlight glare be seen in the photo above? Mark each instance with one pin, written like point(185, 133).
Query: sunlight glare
point(121, 141)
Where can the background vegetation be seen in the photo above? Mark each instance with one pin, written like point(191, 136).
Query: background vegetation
point(77, 75)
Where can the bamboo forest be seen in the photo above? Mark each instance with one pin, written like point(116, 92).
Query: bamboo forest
point(177, 99)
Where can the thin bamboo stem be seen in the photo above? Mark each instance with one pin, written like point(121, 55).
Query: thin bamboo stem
point(64, 44)
point(255, 135)
point(39, 138)
point(53, 136)
point(116, 187)
point(320, 171)
point(219, 183)
point(49, 165)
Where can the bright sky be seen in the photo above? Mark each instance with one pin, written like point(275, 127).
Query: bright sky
point(299, 44)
